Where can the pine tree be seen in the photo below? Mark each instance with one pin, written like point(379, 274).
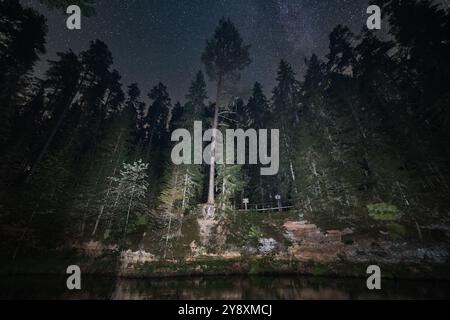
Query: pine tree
point(196, 100)
point(153, 138)
point(157, 119)
point(22, 40)
point(257, 116)
point(182, 183)
point(341, 55)
point(230, 182)
point(170, 208)
point(285, 106)
point(129, 189)
point(193, 111)
point(87, 95)
point(224, 56)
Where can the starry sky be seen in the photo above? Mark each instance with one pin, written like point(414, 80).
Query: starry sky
point(162, 40)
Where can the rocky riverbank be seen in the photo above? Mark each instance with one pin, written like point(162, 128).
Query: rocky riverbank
point(276, 245)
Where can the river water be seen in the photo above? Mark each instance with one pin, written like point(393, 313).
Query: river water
point(221, 288)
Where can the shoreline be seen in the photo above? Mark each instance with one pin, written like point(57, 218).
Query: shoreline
point(217, 267)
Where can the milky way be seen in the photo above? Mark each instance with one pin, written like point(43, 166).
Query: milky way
point(162, 40)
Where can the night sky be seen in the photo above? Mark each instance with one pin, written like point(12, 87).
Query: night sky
point(162, 40)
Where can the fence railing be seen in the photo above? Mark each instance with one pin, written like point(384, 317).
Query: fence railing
point(264, 207)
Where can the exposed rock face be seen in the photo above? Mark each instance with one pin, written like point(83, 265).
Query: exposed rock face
point(206, 226)
point(310, 243)
point(299, 230)
point(196, 250)
point(231, 255)
point(129, 258)
point(319, 253)
point(227, 255)
point(334, 235)
point(220, 237)
point(267, 246)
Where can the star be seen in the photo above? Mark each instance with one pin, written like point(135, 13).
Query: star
point(155, 41)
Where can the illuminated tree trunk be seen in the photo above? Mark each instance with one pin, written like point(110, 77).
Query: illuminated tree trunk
point(212, 171)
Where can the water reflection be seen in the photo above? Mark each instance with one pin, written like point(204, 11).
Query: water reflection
point(223, 288)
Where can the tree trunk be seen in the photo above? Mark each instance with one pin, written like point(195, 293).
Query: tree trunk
point(167, 236)
point(212, 171)
point(102, 207)
point(170, 215)
point(128, 213)
point(185, 190)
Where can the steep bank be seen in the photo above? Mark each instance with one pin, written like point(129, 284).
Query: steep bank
point(254, 244)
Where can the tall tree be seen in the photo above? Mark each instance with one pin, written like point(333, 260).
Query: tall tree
point(286, 108)
point(196, 99)
point(257, 116)
point(224, 57)
point(341, 56)
point(258, 108)
point(92, 83)
point(129, 189)
point(22, 40)
point(194, 110)
point(157, 119)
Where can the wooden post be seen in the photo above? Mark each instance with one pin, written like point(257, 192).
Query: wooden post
point(246, 201)
point(278, 198)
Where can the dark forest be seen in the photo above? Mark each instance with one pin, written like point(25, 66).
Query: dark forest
point(364, 175)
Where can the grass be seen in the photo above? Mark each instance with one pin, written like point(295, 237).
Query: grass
point(384, 212)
